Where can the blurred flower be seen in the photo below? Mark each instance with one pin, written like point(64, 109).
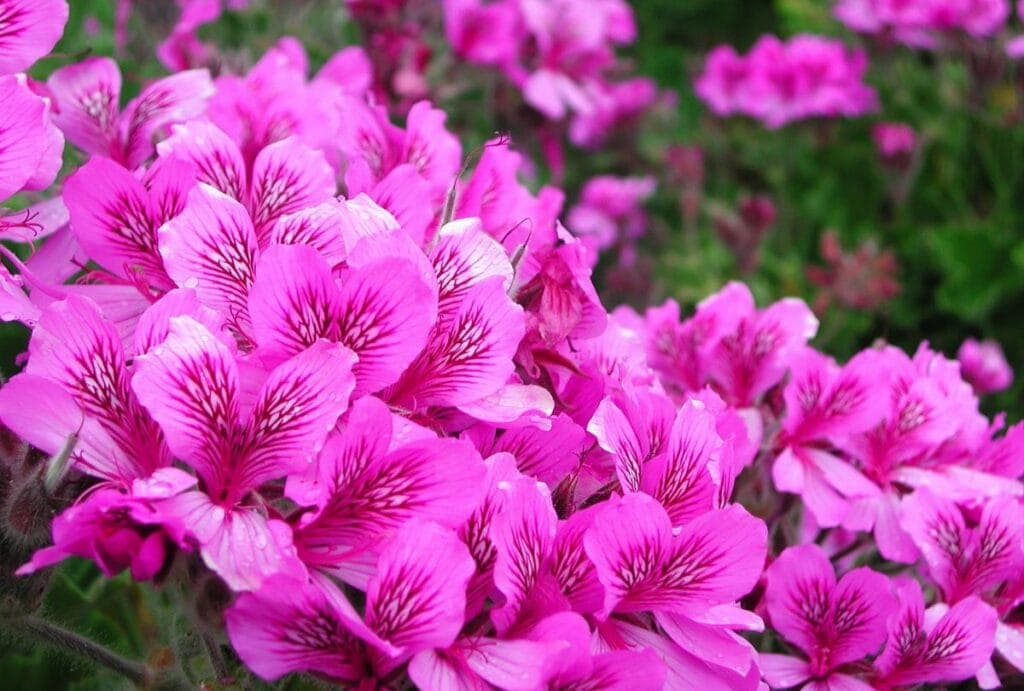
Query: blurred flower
point(685, 165)
point(915, 22)
point(895, 142)
point(741, 231)
point(610, 211)
point(864, 279)
point(780, 82)
point(984, 366)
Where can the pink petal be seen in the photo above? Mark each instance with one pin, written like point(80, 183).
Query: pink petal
point(522, 533)
point(321, 227)
point(432, 150)
point(189, 384)
point(440, 669)
point(295, 625)
point(696, 570)
point(627, 544)
point(798, 594)
point(406, 195)
point(386, 323)
point(43, 414)
point(241, 545)
point(31, 30)
point(516, 665)
point(211, 247)
point(547, 455)
point(1010, 644)
point(470, 355)
point(626, 670)
point(715, 645)
point(287, 176)
point(462, 257)
point(155, 323)
point(860, 604)
point(177, 98)
point(26, 143)
point(683, 670)
point(112, 218)
point(86, 104)
point(417, 598)
point(514, 405)
point(439, 480)
point(570, 565)
point(783, 671)
point(680, 479)
point(296, 408)
point(294, 301)
point(213, 155)
point(75, 346)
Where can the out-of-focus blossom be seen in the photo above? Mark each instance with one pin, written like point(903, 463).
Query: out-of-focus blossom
point(895, 143)
point(780, 82)
point(742, 230)
point(984, 366)
point(920, 23)
point(610, 211)
point(864, 279)
point(560, 54)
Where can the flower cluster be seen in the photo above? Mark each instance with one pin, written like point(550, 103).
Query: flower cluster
point(560, 54)
point(919, 23)
point(296, 346)
point(780, 82)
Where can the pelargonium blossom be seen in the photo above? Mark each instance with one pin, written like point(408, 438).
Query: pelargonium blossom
point(918, 22)
point(984, 366)
point(780, 82)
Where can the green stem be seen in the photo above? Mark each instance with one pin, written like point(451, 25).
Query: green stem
point(39, 629)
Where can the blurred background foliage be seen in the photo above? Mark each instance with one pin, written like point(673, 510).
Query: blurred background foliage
point(952, 221)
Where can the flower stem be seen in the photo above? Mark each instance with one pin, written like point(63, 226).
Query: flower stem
point(39, 629)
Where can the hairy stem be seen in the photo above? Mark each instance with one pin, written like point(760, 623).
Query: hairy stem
point(44, 631)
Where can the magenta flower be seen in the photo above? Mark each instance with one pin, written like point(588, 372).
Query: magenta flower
point(680, 575)
point(825, 404)
point(375, 475)
point(78, 381)
point(984, 366)
point(192, 385)
point(86, 99)
point(610, 211)
point(835, 623)
point(940, 644)
point(117, 529)
point(414, 602)
point(894, 139)
point(778, 83)
point(917, 22)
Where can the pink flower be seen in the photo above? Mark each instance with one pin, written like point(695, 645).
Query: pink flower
point(835, 623)
point(895, 142)
point(778, 83)
point(112, 528)
point(610, 210)
point(916, 22)
point(940, 644)
point(984, 366)
point(86, 108)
